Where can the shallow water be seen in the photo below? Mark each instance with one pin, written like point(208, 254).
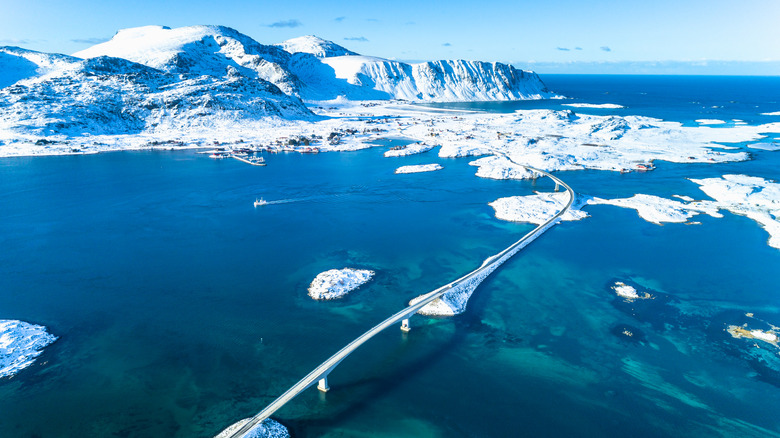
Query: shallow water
point(180, 308)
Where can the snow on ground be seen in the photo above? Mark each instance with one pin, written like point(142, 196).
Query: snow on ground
point(410, 149)
point(765, 146)
point(268, 428)
point(710, 122)
point(336, 283)
point(545, 139)
point(417, 168)
point(594, 105)
point(754, 197)
point(659, 210)
point(500, 168)
point(536, 209)
point(20, 344)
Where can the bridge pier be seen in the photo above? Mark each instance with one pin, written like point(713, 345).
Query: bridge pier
point(405, 325)
point(323, 385)
point(557, 187)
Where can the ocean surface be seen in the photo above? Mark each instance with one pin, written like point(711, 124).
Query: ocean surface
point(180, 308)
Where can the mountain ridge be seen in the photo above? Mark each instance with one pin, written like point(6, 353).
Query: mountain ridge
point(151, 77)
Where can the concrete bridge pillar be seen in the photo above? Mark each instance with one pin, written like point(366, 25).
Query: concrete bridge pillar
point(405, 325)
point(323, 385)
point(557, 187)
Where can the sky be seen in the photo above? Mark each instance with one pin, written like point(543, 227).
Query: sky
point(560, 36)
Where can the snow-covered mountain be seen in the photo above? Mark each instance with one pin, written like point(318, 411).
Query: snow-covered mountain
point(441, 80)
point(155, 78)
point(315, 69)
point(65, 95)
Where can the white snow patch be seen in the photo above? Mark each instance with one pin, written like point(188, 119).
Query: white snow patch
point(594, 105)
point(20, 344)
point(536, 209)
point(754, 197)
point(765, 146)
point(775, 113)
point(410, 149)
point(659, 210)
point(417, 168)
point(628, 292)
point(500, 168)
point(764, 336)
point(336, 283)
point(316, 46)
point(710, 122)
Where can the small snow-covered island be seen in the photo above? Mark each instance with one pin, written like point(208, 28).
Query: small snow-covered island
point(417, 168)
point(337, 283)
point(20, 344)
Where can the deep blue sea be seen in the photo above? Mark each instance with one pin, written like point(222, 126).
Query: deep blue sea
point(180, 308)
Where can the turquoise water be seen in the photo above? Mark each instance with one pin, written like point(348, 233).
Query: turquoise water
point(180, 308)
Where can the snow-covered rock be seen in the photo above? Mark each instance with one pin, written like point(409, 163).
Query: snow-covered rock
point(315, 46)
point(336, 283)
point(17, 64)
point(768, 336)
point(500, 168)
point(20, 344)
point(410, 149)
point(268, 428)
point(628, 292)
point(536, 209)
point(594, 105)
point(440, 81)
point(417, 168)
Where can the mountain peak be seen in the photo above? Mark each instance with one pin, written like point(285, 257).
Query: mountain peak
point(316, 46)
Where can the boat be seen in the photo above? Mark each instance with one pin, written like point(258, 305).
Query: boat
point(260, 202)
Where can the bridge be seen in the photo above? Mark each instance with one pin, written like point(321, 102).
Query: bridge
point(471, 280)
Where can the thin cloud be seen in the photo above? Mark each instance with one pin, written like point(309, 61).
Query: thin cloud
point(339, 19)
point(410, 23)
point(373, 20)
point(286, 23)
point(578, 48)
point(16, 41)
point(359, 39)
point(563, 49)
point(447, 45)
point(89, 40)
point(605, 48)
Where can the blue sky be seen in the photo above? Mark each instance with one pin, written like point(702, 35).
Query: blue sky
point(552, 34)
